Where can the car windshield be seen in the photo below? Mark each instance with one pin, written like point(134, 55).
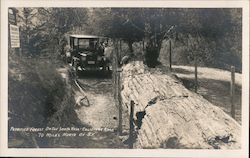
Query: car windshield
point(83, 43)
point(87, 43)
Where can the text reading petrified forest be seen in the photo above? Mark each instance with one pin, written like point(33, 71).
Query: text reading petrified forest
point(50, 132)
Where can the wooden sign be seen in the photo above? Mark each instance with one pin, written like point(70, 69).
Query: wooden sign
point(14, 36)
point(12, 16)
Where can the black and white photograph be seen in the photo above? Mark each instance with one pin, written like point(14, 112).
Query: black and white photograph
point(118, 77)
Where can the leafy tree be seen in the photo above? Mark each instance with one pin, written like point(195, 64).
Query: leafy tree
point(127, 24)
point(26, 21)
point(99, 21)
point(61, 21)
point(213, 34)
point(212, 31)
point(43, 29)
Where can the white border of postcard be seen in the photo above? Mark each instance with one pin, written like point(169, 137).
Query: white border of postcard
point(5, 151)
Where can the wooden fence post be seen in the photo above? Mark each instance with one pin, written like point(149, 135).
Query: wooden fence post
point(232, 87)
point(114, 68)
point(20, 52)
point(131, 124)
point(117, 86)
point(170, 55)
point(143, 45)
point(119, 102)
point(120, 51)
point(195, 72)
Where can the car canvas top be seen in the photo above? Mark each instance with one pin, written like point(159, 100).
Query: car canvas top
point(86, 36)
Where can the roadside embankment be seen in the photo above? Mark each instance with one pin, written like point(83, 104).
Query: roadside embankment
point(39, 98)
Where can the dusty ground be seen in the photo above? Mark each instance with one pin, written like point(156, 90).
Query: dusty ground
point(101, 111)
point(214, 85)
point(96, 110)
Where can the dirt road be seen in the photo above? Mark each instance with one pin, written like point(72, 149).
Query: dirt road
point(101, 111)
point(97, 111)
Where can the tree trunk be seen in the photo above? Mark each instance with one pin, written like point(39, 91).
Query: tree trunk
point(130, 46)
point(170, 116)
point(152, 53)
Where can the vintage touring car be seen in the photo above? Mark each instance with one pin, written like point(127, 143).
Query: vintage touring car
point(87, 53)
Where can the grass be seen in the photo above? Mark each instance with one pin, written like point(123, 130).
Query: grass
point(214, 85)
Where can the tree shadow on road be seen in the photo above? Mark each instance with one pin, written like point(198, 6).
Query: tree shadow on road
point(95, 74)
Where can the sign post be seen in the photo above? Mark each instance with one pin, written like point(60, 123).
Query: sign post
point(14, 36)
point(12, 16)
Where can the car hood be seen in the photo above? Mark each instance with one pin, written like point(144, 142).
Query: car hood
point(85, 53)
